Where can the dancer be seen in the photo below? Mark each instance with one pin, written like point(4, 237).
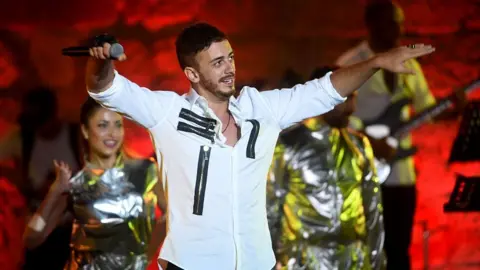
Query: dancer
point(112, 200)
point(324, 204)
point(217, 149)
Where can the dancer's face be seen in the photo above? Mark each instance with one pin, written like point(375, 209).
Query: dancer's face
point(104, 133)
point(214, 70)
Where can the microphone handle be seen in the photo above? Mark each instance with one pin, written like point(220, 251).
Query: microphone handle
point(116, 50)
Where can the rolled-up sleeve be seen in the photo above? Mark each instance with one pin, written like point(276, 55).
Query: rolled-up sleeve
point(140, 104)
point(290, 106)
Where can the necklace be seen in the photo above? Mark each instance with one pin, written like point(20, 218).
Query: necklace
point(228, 123)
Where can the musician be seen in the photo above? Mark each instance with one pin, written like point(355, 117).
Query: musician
point(384, 21)
point(324, 202)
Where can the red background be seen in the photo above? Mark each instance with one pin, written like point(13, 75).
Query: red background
point(268, 37)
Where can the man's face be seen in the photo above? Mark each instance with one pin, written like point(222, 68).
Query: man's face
point(339, 116)
point(216, 69)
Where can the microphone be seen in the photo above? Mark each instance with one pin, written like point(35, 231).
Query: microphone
point(115, 51)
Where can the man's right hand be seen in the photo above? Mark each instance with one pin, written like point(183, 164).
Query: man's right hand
point(103, 53)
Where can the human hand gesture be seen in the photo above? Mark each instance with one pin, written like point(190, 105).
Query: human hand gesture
point(103, 52)
point(395, 60)
point(63, 175)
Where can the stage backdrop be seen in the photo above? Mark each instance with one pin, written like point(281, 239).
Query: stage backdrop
point(268, 37)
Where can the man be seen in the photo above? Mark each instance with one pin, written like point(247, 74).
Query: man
point(216, 148)
point(40, 138)
point(384, 21)
point(324, 199)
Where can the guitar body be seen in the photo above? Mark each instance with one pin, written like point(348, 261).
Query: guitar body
point(385, 131)
point(386, 147)
point(391, 117)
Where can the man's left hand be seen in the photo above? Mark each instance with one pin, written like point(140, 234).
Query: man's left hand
point(395, 60)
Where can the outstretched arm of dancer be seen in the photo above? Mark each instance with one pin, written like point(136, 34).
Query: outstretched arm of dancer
point(52, 209)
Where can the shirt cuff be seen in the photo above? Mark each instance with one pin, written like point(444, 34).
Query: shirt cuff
point(117, 83)
point(326, 84)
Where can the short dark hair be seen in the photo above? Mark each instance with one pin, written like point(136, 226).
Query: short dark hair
point(375, 9)
point(196, 38)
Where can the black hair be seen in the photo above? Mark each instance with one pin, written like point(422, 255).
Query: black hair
point(321, 71)
point(375, 9)
point(194, 39)
point(89, 107)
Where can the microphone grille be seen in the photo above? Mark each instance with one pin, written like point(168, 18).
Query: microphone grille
point(116, 50)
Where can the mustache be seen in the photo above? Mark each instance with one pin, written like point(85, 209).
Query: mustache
point(229, 76)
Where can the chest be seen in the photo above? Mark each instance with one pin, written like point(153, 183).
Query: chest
point(188, 130)
point(110, 196)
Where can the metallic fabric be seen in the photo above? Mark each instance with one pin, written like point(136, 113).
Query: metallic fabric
point(324, 203)
point(114, 215)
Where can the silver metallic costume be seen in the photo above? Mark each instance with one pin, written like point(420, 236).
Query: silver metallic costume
point(114, 215)
point(324, 203)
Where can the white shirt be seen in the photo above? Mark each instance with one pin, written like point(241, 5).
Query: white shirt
point(374, 97)
point(217, 193)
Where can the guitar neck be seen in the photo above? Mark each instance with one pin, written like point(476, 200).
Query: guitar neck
point(431, 112)
point(423, 117)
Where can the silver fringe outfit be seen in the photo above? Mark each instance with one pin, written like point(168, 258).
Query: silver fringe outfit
point(114, 215)
point(324, 204)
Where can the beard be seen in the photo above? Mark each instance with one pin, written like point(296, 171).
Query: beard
point(214, 88)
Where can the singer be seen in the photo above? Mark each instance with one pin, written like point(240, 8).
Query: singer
point(112, 201)
point(216, 148)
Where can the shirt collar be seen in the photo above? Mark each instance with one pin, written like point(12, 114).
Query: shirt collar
point(194, 98)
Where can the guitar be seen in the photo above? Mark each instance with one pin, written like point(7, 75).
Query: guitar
point(389, 128)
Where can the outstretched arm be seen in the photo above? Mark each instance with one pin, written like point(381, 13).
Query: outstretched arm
point(318, 96)
point(112, 90)
point(350, 78)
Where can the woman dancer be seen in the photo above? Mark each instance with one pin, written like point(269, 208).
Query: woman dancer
point(112, 201)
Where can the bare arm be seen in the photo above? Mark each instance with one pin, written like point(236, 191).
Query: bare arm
point(45, 220)
point(99, 75)
point(51, 210)
point(350, 78)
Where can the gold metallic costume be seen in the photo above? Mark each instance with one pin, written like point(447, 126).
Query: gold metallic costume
point(324, 203)
point(114, 215)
